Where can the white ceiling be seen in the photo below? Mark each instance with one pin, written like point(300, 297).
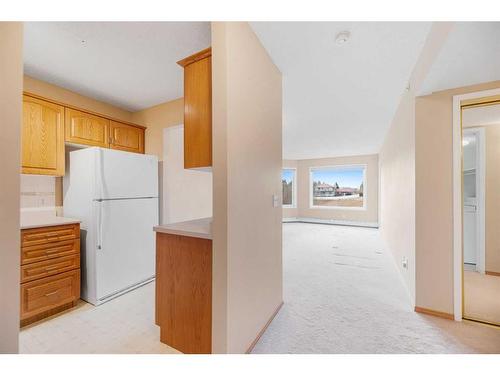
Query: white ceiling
point(340, 100)
point(129, 64)
point(470, 55)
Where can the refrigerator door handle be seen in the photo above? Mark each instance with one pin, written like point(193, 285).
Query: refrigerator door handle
point(100, 176)
point(99, 229)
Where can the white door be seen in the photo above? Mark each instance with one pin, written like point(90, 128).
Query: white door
point(126, 256)
point(123, 174)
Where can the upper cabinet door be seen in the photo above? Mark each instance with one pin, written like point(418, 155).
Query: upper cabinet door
point(126, 137)
point(198, 109)
point(84, 128)
point(42, 137)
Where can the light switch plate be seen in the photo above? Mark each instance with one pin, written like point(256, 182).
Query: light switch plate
point(276, 201)
point(404, 262)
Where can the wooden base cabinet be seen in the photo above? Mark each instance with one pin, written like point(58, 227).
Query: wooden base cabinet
point(184, 292)
point(50, 271)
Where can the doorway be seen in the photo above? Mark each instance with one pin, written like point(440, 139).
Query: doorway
point(480, 205)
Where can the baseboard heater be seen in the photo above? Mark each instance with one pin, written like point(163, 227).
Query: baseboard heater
point(309, 220)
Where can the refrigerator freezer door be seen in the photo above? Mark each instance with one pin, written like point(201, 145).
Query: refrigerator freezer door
point(125, 244)
point(122, 174)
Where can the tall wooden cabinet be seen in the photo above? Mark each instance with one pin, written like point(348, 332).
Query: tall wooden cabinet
point(42, 137)
point(198, 109)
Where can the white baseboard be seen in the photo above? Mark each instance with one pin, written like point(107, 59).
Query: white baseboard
point(330, 222)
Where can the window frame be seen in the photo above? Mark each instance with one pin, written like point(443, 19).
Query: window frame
point(338, 166)
point(294, 187)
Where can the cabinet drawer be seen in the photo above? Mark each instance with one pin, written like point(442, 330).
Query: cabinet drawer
point(51, 250)
point(38, 270)
point(48, 293)
point(39, 236)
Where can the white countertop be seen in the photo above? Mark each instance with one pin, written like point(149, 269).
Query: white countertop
point(200, 228)
point(38, 219)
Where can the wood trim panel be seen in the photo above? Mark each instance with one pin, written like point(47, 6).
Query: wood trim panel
point(480, 102)
point(439, 314)
point(45, 235)
point(48, 313)
point(492, 273)
point(184, 292)
point(203, 54)
point(82, 109)
point(256, 340)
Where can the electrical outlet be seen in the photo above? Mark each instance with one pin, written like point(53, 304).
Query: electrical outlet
point(404, 262)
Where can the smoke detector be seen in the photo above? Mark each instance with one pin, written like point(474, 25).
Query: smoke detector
point(342, 38)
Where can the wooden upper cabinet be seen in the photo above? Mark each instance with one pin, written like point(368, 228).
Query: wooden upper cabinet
point(42, 137)
point(87, 129)
point(198, 109)
point(126, 137)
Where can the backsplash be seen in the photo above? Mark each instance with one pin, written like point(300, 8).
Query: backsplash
point(38, 191)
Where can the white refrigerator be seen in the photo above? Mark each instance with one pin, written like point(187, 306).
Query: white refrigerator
point(115, 195)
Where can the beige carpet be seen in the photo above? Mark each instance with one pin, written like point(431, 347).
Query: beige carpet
point(482, 297)
point(343, 294)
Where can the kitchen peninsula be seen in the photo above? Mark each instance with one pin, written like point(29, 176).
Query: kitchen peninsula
point(184, 285)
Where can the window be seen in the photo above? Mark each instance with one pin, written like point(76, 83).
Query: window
point(338, 187)
point(289, 188)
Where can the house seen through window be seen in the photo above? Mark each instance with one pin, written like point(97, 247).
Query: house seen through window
point(338, 187)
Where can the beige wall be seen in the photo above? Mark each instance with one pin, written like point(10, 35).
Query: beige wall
point(397, 191)
point(156, 119)
point(11, 78)
point(57, 93)
point(292, 211)
point(247, 173)
point(368, 215)
point(434, 212)
point(187, 194)
point(397, 166)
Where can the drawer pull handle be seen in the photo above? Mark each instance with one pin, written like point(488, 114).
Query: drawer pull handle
point(51, 268)
point(52, 293)
point(51, 251)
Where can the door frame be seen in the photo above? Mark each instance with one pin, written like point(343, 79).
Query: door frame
point(459, 101)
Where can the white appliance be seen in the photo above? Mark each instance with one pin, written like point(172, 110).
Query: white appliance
point(115, 195)
point(470, 231)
